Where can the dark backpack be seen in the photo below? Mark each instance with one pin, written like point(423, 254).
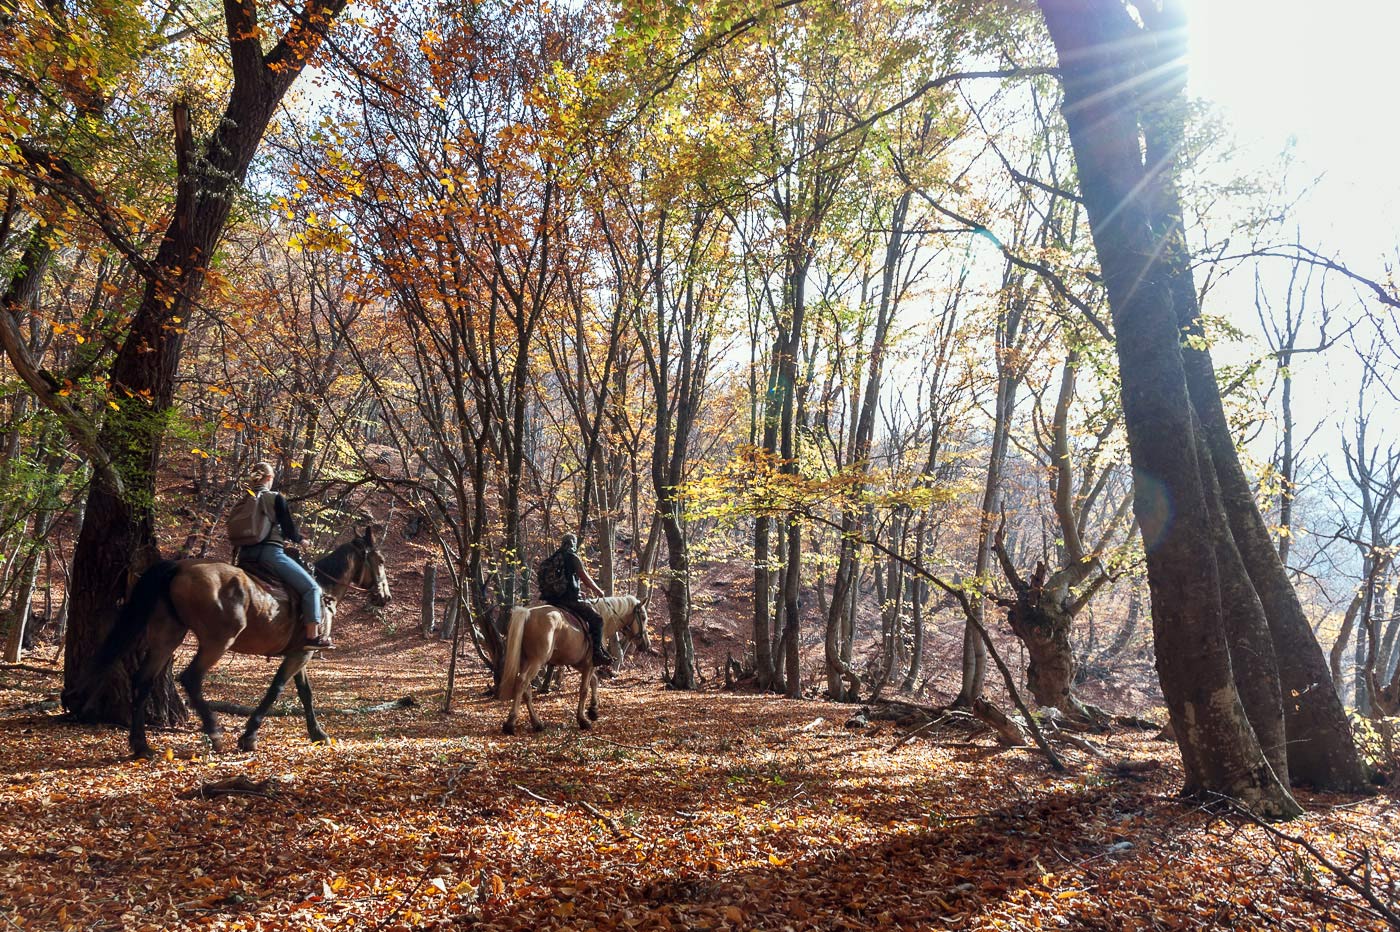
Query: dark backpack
point(250, 520)
point(554, 576)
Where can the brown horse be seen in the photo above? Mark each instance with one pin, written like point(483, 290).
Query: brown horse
point(228, 610)
point(541, 634)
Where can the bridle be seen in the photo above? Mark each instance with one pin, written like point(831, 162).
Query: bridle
point(633, 630)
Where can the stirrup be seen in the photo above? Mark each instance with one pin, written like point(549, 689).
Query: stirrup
point(319, 642)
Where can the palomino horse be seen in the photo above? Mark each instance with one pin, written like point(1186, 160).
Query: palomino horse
point(541, 634)
point(228, 610)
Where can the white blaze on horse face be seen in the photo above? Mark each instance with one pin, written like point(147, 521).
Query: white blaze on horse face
point(378, 582)
point(639, 617)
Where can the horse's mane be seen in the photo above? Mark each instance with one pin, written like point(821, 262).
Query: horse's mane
point(614, 606)
point(334, 564)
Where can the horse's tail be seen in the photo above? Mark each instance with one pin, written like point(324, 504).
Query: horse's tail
point(150, 591)
point(515, 637)
point(135, 615)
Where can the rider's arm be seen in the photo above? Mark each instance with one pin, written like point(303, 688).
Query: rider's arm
point(290, 531)
point(587, 581)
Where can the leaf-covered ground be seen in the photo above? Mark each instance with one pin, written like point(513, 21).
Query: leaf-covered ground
point(680, 811)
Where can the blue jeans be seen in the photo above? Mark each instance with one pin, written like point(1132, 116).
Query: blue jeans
point(274, 558)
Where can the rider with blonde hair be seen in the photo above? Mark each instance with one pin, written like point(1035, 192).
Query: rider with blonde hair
point(271, 555)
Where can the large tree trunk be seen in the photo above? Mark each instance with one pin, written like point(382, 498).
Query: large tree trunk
point(1320, 750)
point(117, 540)
point(1096, 41)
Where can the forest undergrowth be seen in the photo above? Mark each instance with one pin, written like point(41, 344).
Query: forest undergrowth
point(706, 810)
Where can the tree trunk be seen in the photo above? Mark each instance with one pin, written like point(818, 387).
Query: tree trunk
point(117, 540)
point(678, 597)
point(24, 591)
point(1319, 745)
point(429, 607)
point(1096, 41)
point(762, 607)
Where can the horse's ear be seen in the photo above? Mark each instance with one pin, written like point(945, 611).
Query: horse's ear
point(369, 534)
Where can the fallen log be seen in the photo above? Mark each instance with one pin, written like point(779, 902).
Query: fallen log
point(283, 708)
point(240, 785)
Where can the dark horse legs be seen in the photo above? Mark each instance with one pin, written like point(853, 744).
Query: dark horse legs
point(193, 680)
point(313, 730)
point(161, 639)
point(292, 667)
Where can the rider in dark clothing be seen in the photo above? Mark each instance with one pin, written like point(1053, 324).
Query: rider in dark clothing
point(576, 582)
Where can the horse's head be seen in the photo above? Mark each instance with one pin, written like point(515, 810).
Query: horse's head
point(372, 576)
point(636, 628)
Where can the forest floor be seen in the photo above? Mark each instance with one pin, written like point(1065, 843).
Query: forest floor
point(708, 810)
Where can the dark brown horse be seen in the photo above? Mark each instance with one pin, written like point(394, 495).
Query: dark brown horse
point(541, 634)
point(228, 610)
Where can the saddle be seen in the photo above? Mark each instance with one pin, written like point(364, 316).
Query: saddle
point(276, 588)
point(287, 601)
point(573, 619)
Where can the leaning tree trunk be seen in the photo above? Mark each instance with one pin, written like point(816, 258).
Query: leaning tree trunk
point(1096, 41)
point(117, 540)
point(1319, 747)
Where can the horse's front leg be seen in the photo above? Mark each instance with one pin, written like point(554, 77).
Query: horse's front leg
point(313, 728)
point(290, 666)
point(592, 696)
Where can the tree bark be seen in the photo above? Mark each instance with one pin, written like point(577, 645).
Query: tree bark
point(117, 540)
point(1319, 745)
point(1096, 41)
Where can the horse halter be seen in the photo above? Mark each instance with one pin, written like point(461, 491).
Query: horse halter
point(370, 576)
point(634, 625)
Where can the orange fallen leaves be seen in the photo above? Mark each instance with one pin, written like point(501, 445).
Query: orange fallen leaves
point(737, 817)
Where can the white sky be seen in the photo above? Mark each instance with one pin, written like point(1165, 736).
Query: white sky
point(1325, 72)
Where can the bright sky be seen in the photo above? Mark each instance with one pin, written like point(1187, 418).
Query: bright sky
point(1326, 72)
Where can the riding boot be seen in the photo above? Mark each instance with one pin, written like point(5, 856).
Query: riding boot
point(601, 658)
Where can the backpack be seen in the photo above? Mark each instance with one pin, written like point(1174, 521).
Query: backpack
point(554, 576)
point(250, 520)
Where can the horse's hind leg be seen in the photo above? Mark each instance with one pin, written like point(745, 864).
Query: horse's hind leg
point(584, 689)
point(291, 666)
point(508, 726)
point(162, 637)
point(313, 729)
point(527, 676)
point(193, 680)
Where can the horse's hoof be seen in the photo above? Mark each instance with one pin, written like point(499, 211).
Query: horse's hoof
point(593, 715)
point(216, 743)
point(248, 743)
point(537, 726)
point(142, 752)
point(319, 737)
point(585, 724)
point(508, 728)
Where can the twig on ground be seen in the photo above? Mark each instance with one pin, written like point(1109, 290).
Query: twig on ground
point(1361, 889)
point(586, 806)
point(30, 668)
point(533, 795)
point(452, 780)
point(1078, 742)
point(917, 731)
